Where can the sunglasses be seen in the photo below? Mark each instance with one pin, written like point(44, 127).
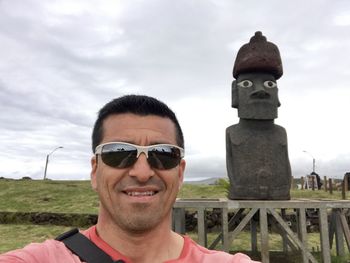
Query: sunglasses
point(123, 155)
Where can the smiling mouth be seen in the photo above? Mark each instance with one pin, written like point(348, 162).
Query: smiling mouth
point(140, 194)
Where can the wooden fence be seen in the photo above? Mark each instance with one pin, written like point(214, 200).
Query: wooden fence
point(331, 215)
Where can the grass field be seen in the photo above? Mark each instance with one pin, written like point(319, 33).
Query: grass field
point(77, 197)
point(47, 196)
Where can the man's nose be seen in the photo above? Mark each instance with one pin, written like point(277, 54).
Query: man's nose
point(259, 93)
point(141, 169)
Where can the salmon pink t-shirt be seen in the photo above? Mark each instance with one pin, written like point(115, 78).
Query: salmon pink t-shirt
point(52, 251)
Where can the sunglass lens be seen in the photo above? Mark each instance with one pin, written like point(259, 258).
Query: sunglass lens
point(119, 155)
point(164, 157)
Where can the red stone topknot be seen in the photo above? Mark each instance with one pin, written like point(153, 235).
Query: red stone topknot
point(258, 55)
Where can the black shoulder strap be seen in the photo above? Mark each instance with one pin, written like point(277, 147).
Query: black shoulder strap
point(84, 248)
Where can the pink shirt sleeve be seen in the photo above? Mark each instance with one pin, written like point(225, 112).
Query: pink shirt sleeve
point(49, 251)
point(242, 258)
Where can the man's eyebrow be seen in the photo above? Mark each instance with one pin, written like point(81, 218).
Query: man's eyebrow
point(160, 142)
point(150, 143)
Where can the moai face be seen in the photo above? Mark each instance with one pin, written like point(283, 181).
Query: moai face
point(256, 96)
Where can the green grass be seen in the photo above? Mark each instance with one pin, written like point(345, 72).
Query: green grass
point(243, 243)
point(17, 236)
point(202, 191)
point(77, 196)
point(320, 194)
point(47, 196)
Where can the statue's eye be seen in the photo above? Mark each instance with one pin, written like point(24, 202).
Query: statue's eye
point(270, 84)
point(245, 84)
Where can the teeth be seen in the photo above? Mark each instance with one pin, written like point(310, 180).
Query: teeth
point(147, 193)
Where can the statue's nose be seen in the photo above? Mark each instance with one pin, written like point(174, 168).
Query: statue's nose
point(260, 94)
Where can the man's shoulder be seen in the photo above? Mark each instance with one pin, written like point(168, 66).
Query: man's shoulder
point(48, 251)
point(196, 253)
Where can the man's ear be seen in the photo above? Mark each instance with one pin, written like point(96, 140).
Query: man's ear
point(93, 179)
point(182, 167)
point(234, 94)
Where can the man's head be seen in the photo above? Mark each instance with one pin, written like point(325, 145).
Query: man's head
point(138, 105)
point(257, 67)
point(136, 191)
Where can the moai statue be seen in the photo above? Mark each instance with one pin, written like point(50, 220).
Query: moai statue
point(256, 149)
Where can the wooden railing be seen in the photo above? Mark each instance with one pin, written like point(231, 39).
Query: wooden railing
point(331, 215)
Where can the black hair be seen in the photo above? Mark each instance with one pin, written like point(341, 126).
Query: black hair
point(136, 104)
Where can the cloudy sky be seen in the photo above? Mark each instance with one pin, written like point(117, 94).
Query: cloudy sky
point(61, 61)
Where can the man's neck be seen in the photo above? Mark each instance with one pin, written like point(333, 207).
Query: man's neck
point(157, 245)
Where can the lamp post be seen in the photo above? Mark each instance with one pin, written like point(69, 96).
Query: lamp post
point(313, 160)
point(47, 159)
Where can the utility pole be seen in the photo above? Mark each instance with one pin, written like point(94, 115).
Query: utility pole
point(47, 159)
point(313, 161)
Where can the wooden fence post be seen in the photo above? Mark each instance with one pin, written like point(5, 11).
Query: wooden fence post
point(302, 182)
point(179, 222)
point(346, 182)
point(325, 183)
point(201, 225)
point(330, 186)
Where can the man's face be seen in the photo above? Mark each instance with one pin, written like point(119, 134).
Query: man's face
point(257, 96)
point(125, 198)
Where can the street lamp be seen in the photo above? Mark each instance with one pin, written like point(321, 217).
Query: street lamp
point(313, 161)
point(47, 159)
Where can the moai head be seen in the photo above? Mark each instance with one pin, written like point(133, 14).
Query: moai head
point(257, 67)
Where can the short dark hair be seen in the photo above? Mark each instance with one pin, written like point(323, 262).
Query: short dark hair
point(136, 104)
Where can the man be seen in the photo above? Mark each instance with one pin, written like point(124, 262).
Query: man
point(137, 171)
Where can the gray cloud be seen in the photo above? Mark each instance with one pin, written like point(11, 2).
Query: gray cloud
point(60, 62)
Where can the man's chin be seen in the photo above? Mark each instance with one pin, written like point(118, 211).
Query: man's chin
point(140, 224)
